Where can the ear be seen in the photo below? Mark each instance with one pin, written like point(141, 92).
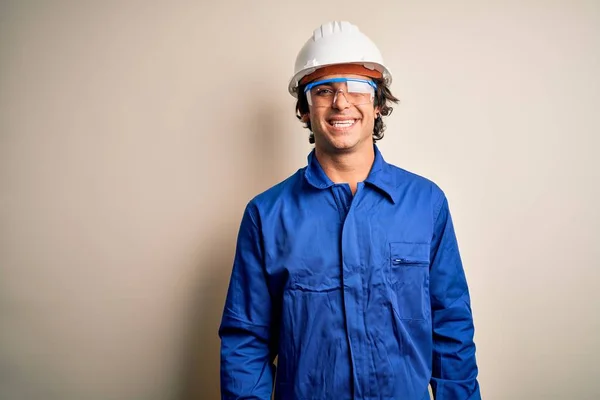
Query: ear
point(305, 118)
point(377, 111)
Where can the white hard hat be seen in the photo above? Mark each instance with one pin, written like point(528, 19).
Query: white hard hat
point(337, 42)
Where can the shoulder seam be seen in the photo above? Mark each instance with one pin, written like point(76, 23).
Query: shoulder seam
point(438, 209)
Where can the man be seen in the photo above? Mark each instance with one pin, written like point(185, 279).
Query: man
point(348, 271)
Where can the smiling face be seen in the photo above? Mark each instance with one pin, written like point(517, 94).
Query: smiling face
point(343, 127)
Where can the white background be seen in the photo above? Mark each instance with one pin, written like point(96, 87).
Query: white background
point(132, 134)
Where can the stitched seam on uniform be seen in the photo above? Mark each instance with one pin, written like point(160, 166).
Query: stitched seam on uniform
point(439, 208)
point(233, 315)
point(458, 298)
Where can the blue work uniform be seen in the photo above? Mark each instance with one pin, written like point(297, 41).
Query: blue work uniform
point(359, 296)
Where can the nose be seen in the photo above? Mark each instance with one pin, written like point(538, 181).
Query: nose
point(340, 101)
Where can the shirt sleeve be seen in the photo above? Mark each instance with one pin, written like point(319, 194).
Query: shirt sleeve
point(247, 348)
point(454, 374)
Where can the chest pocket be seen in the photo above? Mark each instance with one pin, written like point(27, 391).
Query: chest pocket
point(408, 278)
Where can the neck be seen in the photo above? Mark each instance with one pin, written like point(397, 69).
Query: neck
point(350, 168)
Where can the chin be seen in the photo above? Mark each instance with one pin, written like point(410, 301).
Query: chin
point(343, 144)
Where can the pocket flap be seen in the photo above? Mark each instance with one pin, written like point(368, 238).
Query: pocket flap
point(407, 253)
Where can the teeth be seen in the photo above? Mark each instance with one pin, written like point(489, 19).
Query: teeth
point(343, 124)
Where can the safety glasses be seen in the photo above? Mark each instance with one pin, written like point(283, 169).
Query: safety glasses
point(324, 93)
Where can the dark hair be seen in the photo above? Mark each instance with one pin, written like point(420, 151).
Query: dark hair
point(383, 99)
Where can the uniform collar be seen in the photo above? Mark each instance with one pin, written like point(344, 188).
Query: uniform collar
point(380, 175)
